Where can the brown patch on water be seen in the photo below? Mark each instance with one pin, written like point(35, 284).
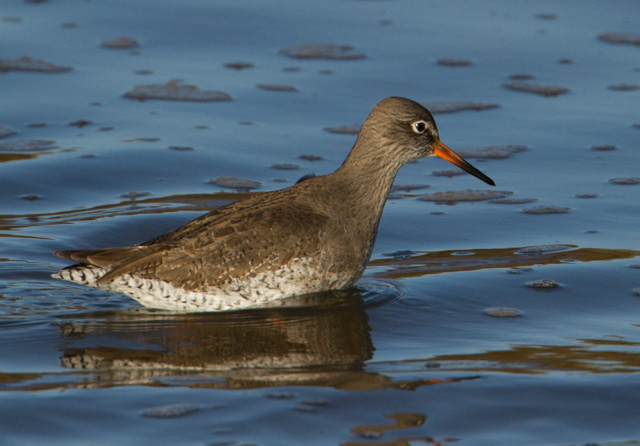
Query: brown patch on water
point(546, 210)
point(181, 148)
point(547, 91)
point(277, 87)
point(448, 173)
point(322, 51)
point(285, 166)
point(235, 183)
point(120, 43)
point(238, 65)
point(624, 87)
point(405, 420)
point(545, 284)
point(281, 395)
point(80, 123)
point(142, 140)
point(31, 65)
point(30, 197)
point(521, 77)
point(457, 106)
point(502, 312)
point(625, 181)
point(344, 129)
point(587, 195)
point(173, 91)
point(491, 152)
point(452, 62)
point(513, 200)
point(604, 148)
point(311, 157)
point(464, 195)
point(621, 38)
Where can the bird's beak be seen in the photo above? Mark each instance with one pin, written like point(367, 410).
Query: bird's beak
point(446, 153)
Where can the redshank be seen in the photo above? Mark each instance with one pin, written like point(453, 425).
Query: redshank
point(314, 236)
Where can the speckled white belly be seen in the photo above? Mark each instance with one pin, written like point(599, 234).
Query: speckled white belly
point(297, 277)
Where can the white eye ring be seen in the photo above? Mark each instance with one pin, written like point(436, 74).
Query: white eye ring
point(419, 127)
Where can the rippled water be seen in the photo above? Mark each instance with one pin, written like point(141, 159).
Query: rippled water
point(417, 354)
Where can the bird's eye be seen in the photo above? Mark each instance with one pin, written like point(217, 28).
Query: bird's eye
point(419, 126)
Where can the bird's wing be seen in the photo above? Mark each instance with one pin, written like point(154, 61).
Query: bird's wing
point(109, 257)
point(228, 243)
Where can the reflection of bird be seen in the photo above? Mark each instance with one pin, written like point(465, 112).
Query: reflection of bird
point(315, 235)
point(325, 344)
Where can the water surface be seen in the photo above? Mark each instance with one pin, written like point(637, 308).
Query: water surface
point(410, 356)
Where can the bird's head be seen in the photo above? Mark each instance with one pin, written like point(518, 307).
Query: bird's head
point(410, 130)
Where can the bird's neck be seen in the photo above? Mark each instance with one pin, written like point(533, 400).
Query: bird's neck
point(366, 177)
point(362, 185)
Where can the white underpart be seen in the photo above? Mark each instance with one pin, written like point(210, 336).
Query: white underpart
point(295, 278)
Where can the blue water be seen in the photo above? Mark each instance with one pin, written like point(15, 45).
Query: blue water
point(408, 358)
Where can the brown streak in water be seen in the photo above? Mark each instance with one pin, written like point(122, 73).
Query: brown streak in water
point(6, 157)
point(445, 261)
point(537, 359)
point(402, 421)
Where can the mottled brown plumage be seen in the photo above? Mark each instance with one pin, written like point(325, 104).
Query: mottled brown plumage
point(315, 235)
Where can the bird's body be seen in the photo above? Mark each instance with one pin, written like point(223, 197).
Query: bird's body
point(314, 236)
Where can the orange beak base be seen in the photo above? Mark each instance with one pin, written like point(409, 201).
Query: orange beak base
point(444, 152)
